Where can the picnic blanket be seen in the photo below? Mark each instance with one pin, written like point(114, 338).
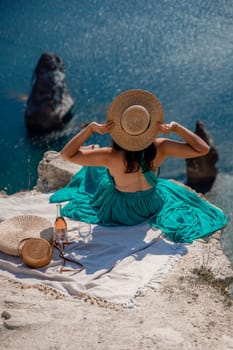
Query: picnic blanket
point(119, 262)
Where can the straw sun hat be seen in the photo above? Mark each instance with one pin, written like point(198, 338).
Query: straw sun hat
point(16, 229)
point(136, 115)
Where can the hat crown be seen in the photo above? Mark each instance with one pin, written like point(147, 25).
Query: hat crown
point(135, 120)
point(136, 115)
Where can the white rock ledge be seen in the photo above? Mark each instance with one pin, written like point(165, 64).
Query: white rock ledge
point(54, 172)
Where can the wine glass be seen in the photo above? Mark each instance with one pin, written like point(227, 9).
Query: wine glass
point(84, 231)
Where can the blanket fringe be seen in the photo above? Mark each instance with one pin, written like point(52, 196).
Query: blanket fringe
point(159, 276)
point(59, 295)
point(41, 287)
point(97, 301)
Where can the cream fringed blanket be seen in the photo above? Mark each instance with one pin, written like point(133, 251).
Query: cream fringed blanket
point(119, 262)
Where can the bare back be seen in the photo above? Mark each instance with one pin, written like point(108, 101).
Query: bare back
point(126, 182)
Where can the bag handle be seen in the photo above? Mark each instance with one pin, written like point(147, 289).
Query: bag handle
point(61, 255)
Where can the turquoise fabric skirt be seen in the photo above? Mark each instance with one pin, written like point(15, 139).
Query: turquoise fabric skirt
point(180, 213)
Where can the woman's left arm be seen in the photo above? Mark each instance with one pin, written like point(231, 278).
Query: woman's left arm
point(193, 146)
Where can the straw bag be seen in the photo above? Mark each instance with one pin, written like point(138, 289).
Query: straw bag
point(35, 252)
point(16, 229)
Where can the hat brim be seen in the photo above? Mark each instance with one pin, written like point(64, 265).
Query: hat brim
point(14, 230)
point(120, 104)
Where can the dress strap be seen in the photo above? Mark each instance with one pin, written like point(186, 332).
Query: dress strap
point(151, 178)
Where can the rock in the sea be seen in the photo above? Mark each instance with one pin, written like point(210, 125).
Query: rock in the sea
point(49, 104)
point(201, 172)
point(54, 172)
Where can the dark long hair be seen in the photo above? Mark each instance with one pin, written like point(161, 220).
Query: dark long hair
point(138, 159)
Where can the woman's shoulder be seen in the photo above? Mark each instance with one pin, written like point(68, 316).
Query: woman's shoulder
point(162, 144)
point(160, 140)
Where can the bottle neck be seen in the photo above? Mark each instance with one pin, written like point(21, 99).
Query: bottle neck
point(59, 214)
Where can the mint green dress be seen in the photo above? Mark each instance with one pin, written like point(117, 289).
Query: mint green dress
point(180, 213)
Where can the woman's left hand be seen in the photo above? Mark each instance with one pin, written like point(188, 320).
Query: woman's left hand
point(167, 128)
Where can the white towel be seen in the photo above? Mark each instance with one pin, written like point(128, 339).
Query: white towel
point(119, 262)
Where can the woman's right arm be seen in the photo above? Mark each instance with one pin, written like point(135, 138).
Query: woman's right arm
point(192, 146)
point(73, 152)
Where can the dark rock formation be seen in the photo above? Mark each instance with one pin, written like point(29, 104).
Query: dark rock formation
point(201, 171)
point(49, 104)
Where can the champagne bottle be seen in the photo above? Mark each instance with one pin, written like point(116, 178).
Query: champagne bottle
point(60, 229)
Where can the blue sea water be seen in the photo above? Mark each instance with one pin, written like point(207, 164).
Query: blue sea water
point(179, 50)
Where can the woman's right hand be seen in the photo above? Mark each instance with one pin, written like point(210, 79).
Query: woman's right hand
point(102, 129)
